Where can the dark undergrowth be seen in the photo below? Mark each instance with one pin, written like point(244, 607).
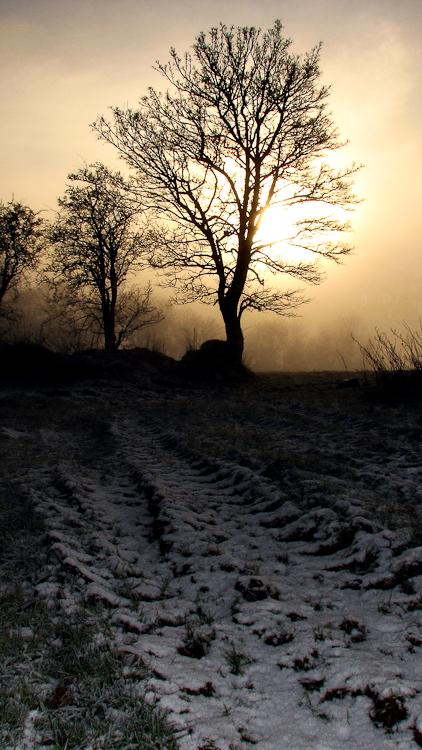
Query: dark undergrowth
point(396, 361)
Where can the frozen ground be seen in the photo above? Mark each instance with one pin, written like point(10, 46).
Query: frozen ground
point(272, 608)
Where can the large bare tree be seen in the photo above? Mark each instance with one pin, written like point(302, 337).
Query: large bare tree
point(96, 243)
point(244, 128)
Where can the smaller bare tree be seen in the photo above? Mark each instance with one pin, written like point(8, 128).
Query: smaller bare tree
point(96, 243)
point(21, 244)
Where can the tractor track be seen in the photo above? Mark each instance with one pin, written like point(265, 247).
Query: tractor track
point(249, 610)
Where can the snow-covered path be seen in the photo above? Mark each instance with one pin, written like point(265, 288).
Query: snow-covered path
point(262, 623)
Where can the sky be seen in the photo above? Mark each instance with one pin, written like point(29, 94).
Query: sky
point(64, 62)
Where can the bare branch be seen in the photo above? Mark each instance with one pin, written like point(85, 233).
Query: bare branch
point(246, 122)
point(97, 242)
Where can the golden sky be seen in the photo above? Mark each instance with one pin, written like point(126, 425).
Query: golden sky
point(64, 62)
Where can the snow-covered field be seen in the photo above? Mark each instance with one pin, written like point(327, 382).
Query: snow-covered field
point(275, 599)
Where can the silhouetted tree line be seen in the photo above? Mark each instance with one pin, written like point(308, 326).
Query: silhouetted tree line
point(244, 127)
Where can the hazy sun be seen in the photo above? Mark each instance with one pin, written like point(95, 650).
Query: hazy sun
point(279, 225)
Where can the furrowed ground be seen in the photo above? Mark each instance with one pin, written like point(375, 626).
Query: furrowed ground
point(204, 567)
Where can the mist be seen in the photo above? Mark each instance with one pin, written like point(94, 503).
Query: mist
point(272, 343)
point(64, 64)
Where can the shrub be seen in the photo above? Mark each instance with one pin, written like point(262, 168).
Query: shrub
point(396, 360)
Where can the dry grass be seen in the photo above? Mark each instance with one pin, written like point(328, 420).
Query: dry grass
point(396, 360)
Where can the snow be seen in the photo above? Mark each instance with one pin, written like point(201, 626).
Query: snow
point(202, 565)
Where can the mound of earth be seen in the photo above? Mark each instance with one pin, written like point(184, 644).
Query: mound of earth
point(30, 362)
point(213, 361)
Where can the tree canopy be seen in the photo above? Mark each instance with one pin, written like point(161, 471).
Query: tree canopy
point(21, 244)
point(244, 127)
point(96, 243)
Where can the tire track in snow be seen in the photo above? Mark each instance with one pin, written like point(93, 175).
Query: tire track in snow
point(261, 623)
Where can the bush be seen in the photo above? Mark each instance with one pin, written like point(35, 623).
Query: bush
point(396, 361)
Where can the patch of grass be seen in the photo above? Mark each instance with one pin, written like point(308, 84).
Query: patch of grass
point(90, 699)
point(321, 632)
point(112, 720)
point(60, 679)
point(84, 431)
point(414, 643)
point(302, 665)
point(354, 629)
point(204, 617)
point(196, 642)
point(279, 638)
point(416, 604)
point(79, 657)
point(253, 569)
point(388, 712)
point(385, 607)
point(165, 583)
point(408, 587)
point(127, 591)
point(236, 660)
point(312, 684)
point(235, 606)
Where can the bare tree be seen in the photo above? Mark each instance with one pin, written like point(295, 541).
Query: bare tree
point(245, 129)
point(96, 243)
point(21, 244)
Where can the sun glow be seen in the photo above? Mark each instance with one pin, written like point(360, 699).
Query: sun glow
point(278, 225)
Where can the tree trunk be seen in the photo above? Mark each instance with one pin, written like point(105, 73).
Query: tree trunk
point(234, 333)
point(109, 332)
point(108, 304)
point(109, 338)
